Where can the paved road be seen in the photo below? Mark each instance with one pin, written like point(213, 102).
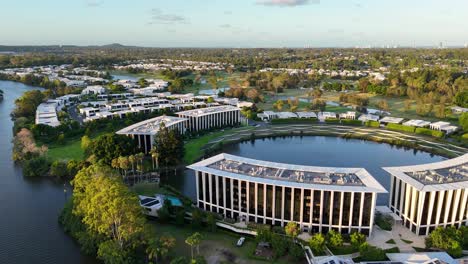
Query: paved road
point(75, 114)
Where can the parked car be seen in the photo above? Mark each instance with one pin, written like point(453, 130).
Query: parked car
point(240, 242)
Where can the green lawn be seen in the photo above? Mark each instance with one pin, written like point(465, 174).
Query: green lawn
point(219, 244)
point(70, 150)
point(193, 148)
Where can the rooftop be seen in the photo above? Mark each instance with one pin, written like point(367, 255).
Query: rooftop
point(150, 126)
point(328, 178)
point(208, 110)
point(445, 175)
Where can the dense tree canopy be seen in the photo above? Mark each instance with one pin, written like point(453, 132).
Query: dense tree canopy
point(110, 146)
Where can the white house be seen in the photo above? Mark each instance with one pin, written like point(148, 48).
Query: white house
point(443, 126)
point(417, 123)
point(348, 115)
point(93, 89)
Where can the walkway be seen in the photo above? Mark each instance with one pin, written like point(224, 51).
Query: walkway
point(399, 233)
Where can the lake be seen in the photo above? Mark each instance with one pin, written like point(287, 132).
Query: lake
point(321, 151)
point(29, 230)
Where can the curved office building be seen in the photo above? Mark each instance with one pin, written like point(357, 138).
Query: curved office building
point(317, 198)
point(430, 195)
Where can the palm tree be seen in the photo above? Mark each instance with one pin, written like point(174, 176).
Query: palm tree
point(194, 240)
point(139, 160)
point(132, 160)
point(155, 156)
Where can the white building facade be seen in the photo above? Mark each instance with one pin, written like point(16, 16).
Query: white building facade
point(211, 117)
point(318, 199)
point(430, 195)
point(144, 132)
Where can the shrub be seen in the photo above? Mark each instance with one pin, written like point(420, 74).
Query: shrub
point(371, 253)
point(429, 132)
point(279, 245)
point(351, 122)
point(371, 123)
point(296, 251)
point(36, 167)
point(332, 121)
point(357, 239)
point(317, 243)
point(403, 128)
point(383, 221)
point(293, 120)
point(334, 239)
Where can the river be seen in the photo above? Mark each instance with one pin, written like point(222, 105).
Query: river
point(29, 231)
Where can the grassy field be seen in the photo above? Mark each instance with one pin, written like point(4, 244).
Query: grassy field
point(219, 246)
point(193, 148)
point(68, 151)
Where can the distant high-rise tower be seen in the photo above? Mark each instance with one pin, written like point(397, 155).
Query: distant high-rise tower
point(441, 46)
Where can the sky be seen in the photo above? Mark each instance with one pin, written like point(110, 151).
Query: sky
point(235, 23)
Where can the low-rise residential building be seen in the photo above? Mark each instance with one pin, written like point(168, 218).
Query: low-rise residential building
point(368, 117)
point(306, 115)
point(443, 126)
point(391, 120)
point(417, 123)
point(286, 115)
point(459, 110)
point(94, 89)
point(46, 114)
point(348, 115)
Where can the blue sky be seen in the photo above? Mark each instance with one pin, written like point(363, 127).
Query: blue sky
point(234, 23)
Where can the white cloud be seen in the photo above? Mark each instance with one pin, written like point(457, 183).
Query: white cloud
point(286, 2)
point(159, 17)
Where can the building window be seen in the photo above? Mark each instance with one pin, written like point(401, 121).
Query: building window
point(260, 202)
point(326, 207)
point(278, 200)
point(287, 203)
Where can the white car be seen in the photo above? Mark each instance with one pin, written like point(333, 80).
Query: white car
point(240, 242)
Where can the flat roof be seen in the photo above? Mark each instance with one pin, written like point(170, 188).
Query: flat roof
point(208, 110)
point(444, 175)
point(422, 257)
point(391, 119)
point(299, 176)
point(150, 126)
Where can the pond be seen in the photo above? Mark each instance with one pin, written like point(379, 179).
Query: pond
point(321, 151)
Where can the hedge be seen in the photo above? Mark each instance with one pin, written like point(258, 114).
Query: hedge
point(351, 122)
point(293, 120)
point(429, 132)
point(371, 123)
point(332, 120)
point(398, 127)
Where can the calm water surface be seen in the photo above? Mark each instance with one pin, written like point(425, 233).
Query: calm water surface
point(322, 151)
point(29, 231)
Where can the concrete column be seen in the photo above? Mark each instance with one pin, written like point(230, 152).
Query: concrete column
point(301, 210)
point(374, 201)
point(282, 205)
point(239, 186)
point(422, 196)
point(311, 207)
point(232, 194)
point(414, 202)
point(448, 205)
point(456, 206)
point(217, 193)
point(397, 195)
point(351, 212)
point(321, 211)
point(247, 197)
point(392, 183)
point(224, 195)
point(439, 206)
point(204, 192)
point(197, 183)
point(408, 192)
point(210, 190)
point(292, 205)
point(256, 201)
point(463, 212)
point(330, 213)
point(264, 203)
point(402, 198)
point(430, 209)
point(273, 206)
point(361, 210)
point(340, 223)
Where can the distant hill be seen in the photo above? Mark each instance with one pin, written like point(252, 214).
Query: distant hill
point(59, 48)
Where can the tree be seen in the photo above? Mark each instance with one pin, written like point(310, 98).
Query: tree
point(155, 158)
point(292, 230)
point(449, 239)
point(463, 121)
point(334, 239)
point(169, 145)
point(440, 111)
point(296, 251)
point(159, 247)
point(36, 167)
point(461, 98)
point(279, 245)
point(111, 253)
point(407, 105)
point(357, 239)
point(85, 143)
point(58, 169)
point(110, 146)
point(194, 241)
point(26, 105)
point(278, 105)
point(106, 205)
point(317, 243)
point(383, 105)
point(211, 221)
point(318, 105)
